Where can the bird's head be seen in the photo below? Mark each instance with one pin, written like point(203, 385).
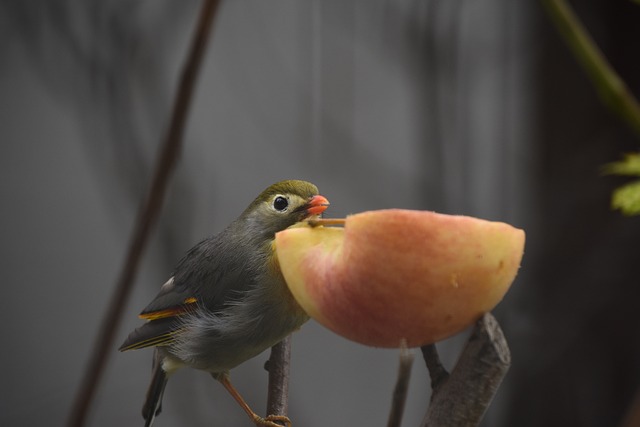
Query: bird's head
point(282, 205)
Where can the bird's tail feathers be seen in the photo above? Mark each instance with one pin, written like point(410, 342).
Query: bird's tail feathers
point(153, 403)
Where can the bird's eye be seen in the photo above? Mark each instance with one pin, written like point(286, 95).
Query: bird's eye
point(280, 203)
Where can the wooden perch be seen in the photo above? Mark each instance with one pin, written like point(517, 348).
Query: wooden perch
point(462, 398)
point(278, 367)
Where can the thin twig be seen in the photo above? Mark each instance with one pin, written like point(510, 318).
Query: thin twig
point(611, 88)
point(146, 219)
point(327, 221)
point(436, 370)
point(278, 367)
point(402, 385)
point(464, 397)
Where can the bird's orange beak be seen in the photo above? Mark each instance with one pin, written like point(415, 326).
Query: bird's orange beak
point(317, 204)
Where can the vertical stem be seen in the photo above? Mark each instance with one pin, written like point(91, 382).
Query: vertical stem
point(278, 367)
point(146, 219)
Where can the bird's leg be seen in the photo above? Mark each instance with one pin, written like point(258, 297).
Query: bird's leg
point(326, 221)
point(269, 421)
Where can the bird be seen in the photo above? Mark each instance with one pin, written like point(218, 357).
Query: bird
point(227, 300)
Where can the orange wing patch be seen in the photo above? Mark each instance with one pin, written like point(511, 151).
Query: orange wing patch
point(186, 306)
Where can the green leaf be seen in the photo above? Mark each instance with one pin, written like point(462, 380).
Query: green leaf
point(630, 165)
point(627, 198)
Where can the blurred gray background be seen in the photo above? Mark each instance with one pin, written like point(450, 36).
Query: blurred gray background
point(464, 107)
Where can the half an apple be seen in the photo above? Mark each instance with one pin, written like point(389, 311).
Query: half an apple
point(395, 274)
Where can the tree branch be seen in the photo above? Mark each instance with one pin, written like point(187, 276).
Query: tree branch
point(146, 219)
point(463, 398)
point(278, 366)
point(436, 370)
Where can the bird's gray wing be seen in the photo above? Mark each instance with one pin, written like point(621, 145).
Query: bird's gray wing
point(208, 276)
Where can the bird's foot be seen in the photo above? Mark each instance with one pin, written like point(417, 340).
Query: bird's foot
point(271, 421)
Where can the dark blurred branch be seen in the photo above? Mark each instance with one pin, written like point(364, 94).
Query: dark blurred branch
point(402, 385)
point(463, 397)
point(147, 218)
point(278, 367)
point(611, 88)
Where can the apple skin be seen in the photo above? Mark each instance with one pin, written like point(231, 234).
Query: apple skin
point(396, 274)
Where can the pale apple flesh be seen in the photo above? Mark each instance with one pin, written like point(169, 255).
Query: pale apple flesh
point(393, 275)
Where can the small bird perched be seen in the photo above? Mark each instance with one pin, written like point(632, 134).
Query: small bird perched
point(227, 300)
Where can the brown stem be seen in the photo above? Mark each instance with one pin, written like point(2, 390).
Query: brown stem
point(464, 397)
point(146, 219)
point(402, 385)
point(278, 366)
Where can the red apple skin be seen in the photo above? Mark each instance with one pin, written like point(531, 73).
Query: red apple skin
point(399, 274)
